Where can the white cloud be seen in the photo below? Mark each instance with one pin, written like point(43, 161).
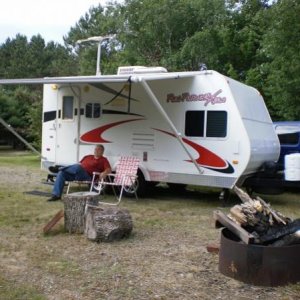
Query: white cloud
point(50, 18)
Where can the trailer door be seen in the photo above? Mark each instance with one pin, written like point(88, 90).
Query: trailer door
point(67, 128)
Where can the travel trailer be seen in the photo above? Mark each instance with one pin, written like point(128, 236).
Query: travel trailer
point(200, 128)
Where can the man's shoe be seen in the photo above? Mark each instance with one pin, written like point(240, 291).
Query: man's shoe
point(54, 198)
point(54, 169)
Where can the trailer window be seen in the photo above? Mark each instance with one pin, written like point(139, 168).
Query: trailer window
point(93, 110)
point(216, 124)
point(67, 108)
point(194, 123)
point(289, 138)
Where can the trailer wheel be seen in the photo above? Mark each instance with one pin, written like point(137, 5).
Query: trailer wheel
point(140, 186)
point(130, 190)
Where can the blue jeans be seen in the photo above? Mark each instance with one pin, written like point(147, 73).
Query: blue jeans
point(70, 173)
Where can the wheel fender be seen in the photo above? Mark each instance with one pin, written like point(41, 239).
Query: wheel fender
point(145, 172)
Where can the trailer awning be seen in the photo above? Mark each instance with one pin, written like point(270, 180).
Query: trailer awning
point(104, 78)
point(141, 79)
point(64, 80)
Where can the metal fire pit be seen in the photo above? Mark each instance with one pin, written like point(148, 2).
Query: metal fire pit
point(257, 264)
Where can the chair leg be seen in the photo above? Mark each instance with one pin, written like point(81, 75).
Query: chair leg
point(68, 188)
point(120, 195)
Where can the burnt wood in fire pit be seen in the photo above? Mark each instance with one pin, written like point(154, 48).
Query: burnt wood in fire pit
point(254, 221)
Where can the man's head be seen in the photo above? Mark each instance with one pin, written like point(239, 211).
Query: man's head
point(99, 150)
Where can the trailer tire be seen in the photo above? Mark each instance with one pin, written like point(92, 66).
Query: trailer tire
point(140, 186)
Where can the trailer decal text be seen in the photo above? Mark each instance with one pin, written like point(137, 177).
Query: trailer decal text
point(207, 98)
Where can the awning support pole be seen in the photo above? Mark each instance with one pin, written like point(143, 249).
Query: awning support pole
point(8, 127)
point(166, 117)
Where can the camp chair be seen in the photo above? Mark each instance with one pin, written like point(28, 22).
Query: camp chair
point(93, 184)
point(124, 178)
point(79, 183)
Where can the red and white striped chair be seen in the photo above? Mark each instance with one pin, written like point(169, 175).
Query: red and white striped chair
point(125, 178)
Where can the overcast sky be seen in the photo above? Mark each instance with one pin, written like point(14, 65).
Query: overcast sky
point(52, 19)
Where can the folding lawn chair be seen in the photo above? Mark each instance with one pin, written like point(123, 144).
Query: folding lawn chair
point(93, 184)
point(79, 183)
point(124, 179)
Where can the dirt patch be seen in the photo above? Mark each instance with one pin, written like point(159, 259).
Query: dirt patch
point(164, 258)
point(20, 176)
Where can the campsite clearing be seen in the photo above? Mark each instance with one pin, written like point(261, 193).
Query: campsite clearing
point(164, 258)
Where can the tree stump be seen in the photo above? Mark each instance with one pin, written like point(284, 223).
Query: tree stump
point(106, 224)
point(74, 208)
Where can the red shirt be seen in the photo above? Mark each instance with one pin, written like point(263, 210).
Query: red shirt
point(92, 164)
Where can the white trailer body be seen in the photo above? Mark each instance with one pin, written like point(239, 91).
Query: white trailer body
point(198, 128)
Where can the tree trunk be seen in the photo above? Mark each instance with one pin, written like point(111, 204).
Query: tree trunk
point(107, 223)
point(74, 207)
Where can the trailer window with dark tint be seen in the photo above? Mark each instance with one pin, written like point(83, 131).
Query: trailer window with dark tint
point(96, 110)
point(216, 125)
point(289, 138)
point(67, 108)
point(194, 123)
point(93, 110)
point(89, 110)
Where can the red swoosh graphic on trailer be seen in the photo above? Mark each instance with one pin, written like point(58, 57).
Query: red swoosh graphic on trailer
point(206, 157)
point(95, 135)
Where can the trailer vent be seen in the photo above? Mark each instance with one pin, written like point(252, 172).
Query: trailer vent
point(140, 70)
point(143, 141)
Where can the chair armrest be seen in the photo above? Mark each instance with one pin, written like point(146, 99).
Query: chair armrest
point(96, 173)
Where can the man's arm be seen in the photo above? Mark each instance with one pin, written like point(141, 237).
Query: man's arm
point(106, 171)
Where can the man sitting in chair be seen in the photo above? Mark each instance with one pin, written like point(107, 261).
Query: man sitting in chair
point(82, 171)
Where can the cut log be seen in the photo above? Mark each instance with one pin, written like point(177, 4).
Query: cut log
point(276, 215)
point(280, 231)
point(287, 240)
point(256, 215)
point(74, 207)
point(237, 213)
point(242, 195)
point(107, 223)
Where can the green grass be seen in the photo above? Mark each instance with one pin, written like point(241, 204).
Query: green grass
point(163, 258)
point(10, 290)
point(17, 158)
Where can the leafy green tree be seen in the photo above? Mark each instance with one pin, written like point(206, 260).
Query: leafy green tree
point(96, 22)
point(156, 31)
point(13, 58)
point(281, 69)
point(242, 34)
point(20, 58)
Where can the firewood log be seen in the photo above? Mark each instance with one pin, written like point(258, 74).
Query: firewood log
point(289, 239)
point(276, 232)
point(74, 208)
point(242, 195)
point(107, 223)
point(278, 217)
point(238, 215)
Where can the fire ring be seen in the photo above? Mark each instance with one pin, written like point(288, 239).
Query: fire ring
point(257, 264)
